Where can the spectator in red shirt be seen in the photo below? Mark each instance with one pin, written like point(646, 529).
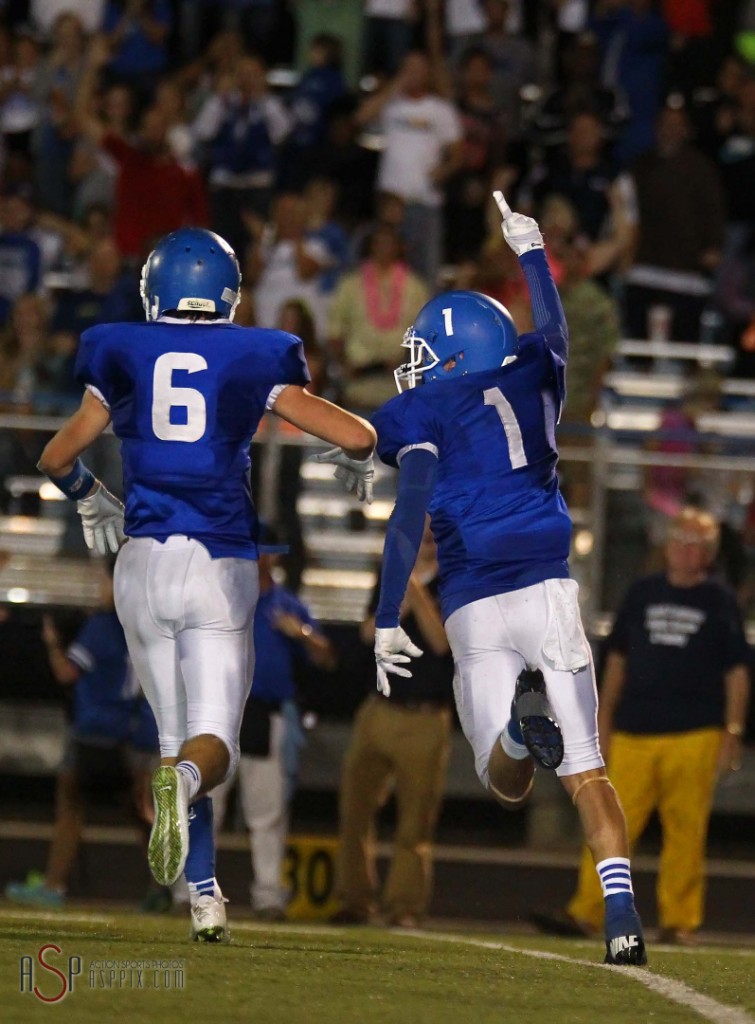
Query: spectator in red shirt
point(154, 194)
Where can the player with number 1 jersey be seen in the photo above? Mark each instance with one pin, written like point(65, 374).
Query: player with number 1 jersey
point(498, 517)
point(185, 393)
point(473, 438)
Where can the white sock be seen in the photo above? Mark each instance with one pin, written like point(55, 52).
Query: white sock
point(192, 775)
point(516, 751)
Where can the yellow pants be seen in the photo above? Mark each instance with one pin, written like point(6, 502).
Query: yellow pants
point(675, 774)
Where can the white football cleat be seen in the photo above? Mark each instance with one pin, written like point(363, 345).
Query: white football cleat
point(208, 920)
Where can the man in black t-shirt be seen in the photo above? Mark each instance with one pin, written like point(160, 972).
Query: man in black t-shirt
point(401, 741)
point(672, 712)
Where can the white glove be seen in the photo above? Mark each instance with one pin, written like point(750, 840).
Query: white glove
point(355, 474)
point(521, 233)
point(102, 520)
point(393, 648)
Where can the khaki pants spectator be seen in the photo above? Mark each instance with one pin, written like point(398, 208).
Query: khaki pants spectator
point(409, 747)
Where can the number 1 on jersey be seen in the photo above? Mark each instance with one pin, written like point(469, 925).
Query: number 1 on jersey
point(511, 428)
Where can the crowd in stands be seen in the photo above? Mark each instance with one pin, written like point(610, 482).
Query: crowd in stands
point(348, 151)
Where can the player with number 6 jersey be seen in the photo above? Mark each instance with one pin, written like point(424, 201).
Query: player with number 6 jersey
point(164, 382)
point(185, 393)
point(473, 438)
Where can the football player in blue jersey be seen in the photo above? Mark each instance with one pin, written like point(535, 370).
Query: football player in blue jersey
point(475, 447)
point(185, 393)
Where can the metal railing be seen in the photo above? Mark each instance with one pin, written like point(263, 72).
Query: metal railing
point(604, 451)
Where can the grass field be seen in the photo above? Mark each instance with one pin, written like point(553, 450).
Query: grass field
point(296, 974)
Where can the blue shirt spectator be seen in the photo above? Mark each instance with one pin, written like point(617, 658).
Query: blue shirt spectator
point(143, 735)
point(138, 30)
point(310, 102)
point(241, 123)
point(20, 262)
point(103, 698)
point(109, 297)
point(277, 654)
point(633, 40)
point(321, 84)
point(20, 256)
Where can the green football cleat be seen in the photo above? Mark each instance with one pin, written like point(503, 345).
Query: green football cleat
point(169, 839)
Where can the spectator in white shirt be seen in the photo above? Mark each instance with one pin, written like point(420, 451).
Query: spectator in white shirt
point(284, 263)
point(422, 149)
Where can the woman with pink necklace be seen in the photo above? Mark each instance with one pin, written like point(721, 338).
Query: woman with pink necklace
point(368, 315)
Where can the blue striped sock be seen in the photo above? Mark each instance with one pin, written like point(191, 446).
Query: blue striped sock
point(616, 881)
point(615, 876)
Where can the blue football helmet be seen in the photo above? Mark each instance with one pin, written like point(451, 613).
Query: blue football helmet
point(455, 334)
point(191, 270)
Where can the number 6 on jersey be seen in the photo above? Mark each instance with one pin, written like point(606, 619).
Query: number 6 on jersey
point(166, 397)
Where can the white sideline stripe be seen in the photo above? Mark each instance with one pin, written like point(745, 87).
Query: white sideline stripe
point(669, 988)
point(29, 913)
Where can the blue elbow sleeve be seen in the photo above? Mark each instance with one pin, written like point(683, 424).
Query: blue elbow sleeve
point(404, 533)
point(547, 311)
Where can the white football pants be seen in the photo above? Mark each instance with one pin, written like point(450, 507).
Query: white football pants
point(494, 638)
point(188, 620)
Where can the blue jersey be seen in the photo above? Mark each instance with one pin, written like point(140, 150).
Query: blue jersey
point(498, 517)
point(103, 699)
point(185, 401)
point(276, 654)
